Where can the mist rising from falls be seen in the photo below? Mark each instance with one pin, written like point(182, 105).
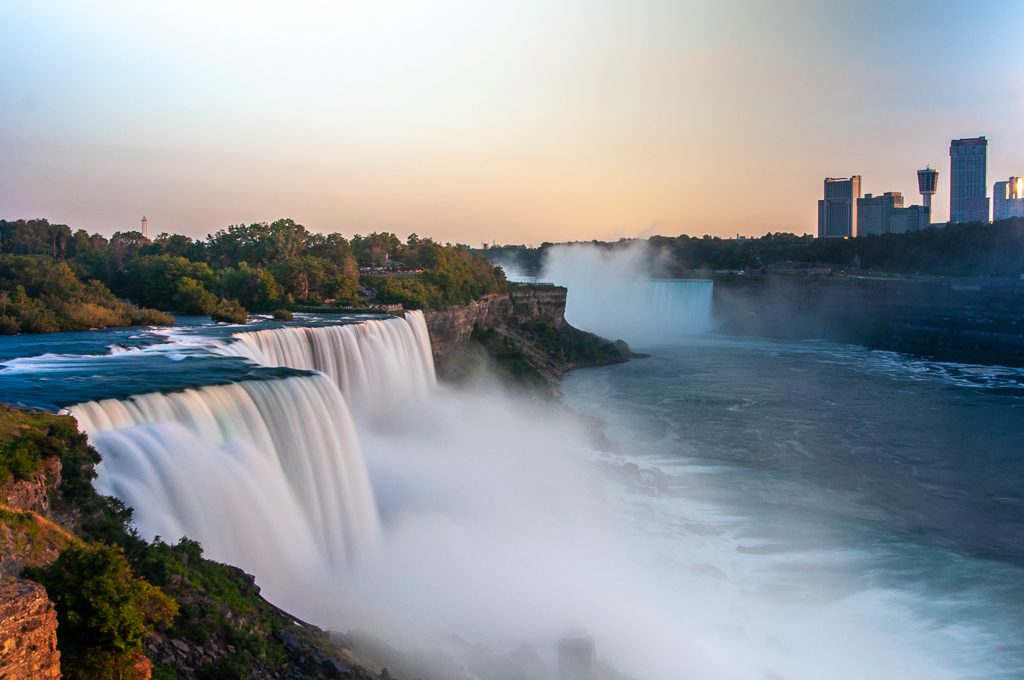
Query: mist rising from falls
point(612, 292)
point(266, 474)
point(372, 362)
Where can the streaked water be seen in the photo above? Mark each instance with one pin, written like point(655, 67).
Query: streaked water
point(842, 486)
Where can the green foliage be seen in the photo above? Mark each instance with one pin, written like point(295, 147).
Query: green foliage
point(193, 298)
point(283, 315)
point(103, 610)
point(230, 311)
point(456, 277)
point(253, 287)
point(27, 438)
point(38, 295)
point(155, 280)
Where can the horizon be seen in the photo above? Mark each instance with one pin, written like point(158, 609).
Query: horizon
point(477, 122)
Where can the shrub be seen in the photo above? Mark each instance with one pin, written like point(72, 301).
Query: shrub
point(103, 610)
point(230, 311)
point(283, 315)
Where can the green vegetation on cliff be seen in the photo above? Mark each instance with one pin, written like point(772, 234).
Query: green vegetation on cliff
point(103, 609)
point(118, 596)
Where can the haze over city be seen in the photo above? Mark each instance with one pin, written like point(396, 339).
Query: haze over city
point(489, 121)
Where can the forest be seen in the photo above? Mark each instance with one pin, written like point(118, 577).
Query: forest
point(53, 278)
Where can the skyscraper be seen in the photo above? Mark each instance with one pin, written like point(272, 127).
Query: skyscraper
point(1008, 199)
point(967, 183)
point(837, 211)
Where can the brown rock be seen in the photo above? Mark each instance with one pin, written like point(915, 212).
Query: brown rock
point(28, 632)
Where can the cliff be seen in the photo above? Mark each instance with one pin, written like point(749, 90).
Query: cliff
point(973, 320)
point(523, 332)
point(28, 632)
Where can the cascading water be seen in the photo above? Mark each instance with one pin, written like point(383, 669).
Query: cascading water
point(372, 362)
point(266, 474)
point(611, 293)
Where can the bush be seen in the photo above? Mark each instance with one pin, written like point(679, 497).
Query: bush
point(9, 325)
point(230, 311)
point(193, 298)
point(283, 315)
point(103, 610)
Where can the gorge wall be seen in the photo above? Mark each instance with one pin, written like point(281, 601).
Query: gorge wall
point(454, 326)
point(979, 320)
point(524, 331)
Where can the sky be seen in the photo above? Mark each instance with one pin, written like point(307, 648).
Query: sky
point(486, 120)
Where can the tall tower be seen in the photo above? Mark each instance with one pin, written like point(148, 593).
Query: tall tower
point(927, 183)
point(145, 227)
point(968, 201)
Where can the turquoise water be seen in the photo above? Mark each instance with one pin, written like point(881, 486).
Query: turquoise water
point(54, 370)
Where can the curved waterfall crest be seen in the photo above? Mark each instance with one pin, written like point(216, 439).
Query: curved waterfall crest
point(250, 469)
point(369, 361)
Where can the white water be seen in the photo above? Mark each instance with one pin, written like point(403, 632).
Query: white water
point(372, 362)
point(268, 475)
point(500, 523)
point(611, 293)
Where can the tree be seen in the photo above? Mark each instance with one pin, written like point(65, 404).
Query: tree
point(103, 610)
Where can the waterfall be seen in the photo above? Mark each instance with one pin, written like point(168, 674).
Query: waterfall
point(266, 474)
point(372, 362)
point(612, 293)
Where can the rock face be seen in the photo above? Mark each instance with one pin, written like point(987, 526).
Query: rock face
point(451, 327)
point(34, 493)
point(28, 632)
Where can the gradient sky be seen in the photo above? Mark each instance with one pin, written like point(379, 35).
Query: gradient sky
point(484, 120)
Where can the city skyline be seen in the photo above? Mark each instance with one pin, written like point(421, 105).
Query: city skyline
point(474, 122)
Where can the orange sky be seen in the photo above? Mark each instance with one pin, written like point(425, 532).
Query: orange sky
point(486, 120)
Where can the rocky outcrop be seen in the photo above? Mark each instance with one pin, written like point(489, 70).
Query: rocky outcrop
point(29, 540)
point(454, 326)
point(34, 493)
point(524, 332)
point(28, 632)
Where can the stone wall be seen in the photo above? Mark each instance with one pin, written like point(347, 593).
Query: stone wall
point(28, 632)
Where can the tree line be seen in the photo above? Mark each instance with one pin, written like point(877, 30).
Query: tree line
point(968, 250)
point(244, 267)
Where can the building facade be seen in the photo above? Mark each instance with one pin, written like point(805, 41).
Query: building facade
point(911, 218)
point(967, 183)
point(837, 211)
point(1008, 199)
point(874, 213)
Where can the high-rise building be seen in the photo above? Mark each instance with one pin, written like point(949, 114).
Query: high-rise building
point(874, 213)
point(1008, 199)
point(967, 183)
point(837, 211)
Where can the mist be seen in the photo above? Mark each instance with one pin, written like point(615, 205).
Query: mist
point(614, 292)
